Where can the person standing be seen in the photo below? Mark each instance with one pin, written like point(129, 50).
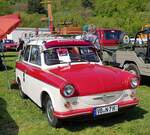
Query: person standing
point(92, 37)
point(21, 45)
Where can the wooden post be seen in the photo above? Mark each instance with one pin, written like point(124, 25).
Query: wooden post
point(50, 16)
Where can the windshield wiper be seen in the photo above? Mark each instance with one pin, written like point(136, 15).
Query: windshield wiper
point(84, 60)
point(78, 59)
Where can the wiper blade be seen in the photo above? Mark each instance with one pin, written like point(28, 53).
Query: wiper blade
point(85, 60)
point(77, 59)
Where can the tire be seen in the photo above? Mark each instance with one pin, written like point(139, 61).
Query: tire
point(53, 120)
point(124, 38)
point(21, 93)
point(132, 68)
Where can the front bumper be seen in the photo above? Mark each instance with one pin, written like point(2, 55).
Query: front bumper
point(86, 111)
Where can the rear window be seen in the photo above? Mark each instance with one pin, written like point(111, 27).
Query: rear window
point(112, 35)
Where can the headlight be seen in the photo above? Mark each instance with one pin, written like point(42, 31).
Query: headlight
point(134, 82)
point(68, 90)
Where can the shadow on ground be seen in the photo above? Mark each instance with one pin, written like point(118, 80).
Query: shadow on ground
point(10, 55)
point(7, 125)
point(3, 68)
point(14, 85)
point(81, 123)
point(145, 80)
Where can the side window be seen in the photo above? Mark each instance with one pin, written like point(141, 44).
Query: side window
point(50, 57)
point(26, 53)
point(35, 57)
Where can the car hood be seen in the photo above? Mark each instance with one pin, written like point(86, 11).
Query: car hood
point(93, 78)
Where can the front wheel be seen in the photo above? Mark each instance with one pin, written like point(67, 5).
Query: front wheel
point(53, 120)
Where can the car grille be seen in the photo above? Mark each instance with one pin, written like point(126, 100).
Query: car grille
point(107, 98)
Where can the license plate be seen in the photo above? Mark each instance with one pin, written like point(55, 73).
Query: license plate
point(105, 110)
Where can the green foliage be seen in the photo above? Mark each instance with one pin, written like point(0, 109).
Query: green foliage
point(87, 3)
point(32, 20)
point(128, 15)
point(34, 6)
point(4, 6)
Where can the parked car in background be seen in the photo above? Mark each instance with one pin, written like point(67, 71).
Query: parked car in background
point(9, 45)
point(134, 58)
point(109, 38)
point(66, 78)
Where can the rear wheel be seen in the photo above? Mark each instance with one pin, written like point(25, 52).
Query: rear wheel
point(124, 38)
point(132, 68)
point(53, 120)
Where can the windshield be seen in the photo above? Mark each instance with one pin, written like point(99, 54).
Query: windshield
point(70, 54)
point(112, 35)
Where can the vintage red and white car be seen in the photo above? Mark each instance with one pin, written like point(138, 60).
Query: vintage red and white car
point(66, 78)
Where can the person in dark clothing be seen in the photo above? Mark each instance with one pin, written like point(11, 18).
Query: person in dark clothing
point(1, 46)
point(21, 45)
point(1, 62)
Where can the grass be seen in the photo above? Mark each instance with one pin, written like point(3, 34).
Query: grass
point(23, 117)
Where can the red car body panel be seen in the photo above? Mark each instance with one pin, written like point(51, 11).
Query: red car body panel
point(10, 45)
point(93, 79)
point(39, 74)
point(59, 43)
point(108, 42)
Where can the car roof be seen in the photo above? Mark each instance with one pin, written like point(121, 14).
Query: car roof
point(57, 42)
point(71, 42)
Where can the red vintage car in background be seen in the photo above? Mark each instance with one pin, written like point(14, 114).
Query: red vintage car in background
point(108, 38)
point(9, 45)
point(66, 78)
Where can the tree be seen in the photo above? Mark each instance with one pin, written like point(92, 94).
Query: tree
point(34, 6)
point(87, 3)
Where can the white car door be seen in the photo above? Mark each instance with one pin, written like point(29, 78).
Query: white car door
point(33, 83)
point(24, 71)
